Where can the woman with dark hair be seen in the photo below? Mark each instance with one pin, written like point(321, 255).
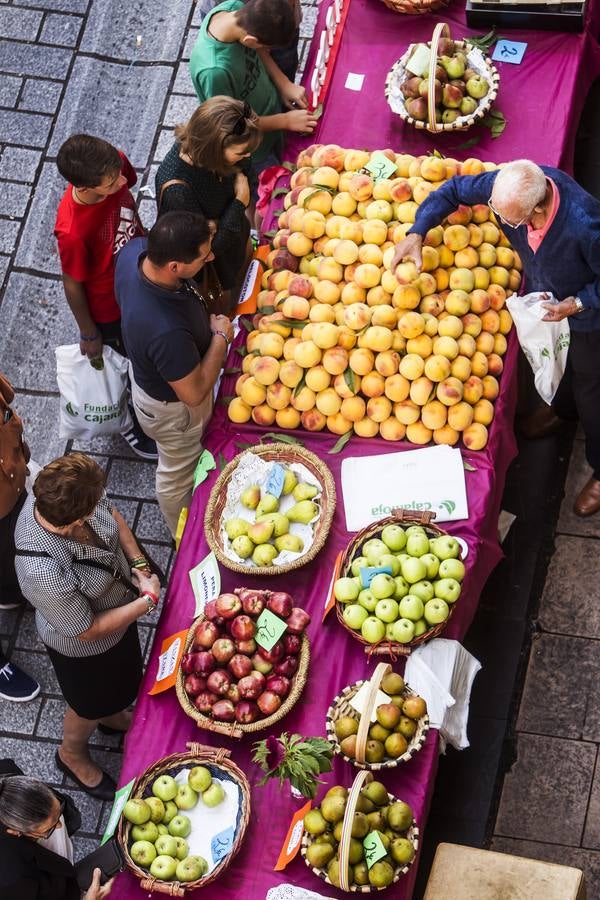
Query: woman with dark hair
point(75, 561)
point(204, 171)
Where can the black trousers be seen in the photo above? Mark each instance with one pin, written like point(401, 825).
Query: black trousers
point(578, 394)
point(112, 335)
point(9, 586)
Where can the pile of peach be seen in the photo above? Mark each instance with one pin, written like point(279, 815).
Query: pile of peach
point(342, 342)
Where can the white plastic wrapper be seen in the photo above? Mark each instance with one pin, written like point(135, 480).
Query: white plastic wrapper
point(545, 344)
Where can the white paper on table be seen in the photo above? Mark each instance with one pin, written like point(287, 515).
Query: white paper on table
point(206, 582)
point(208, 821)
point(354, 82)
point(360, 698)
point(429, 479)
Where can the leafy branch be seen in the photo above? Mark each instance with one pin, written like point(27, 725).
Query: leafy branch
point(295, 759)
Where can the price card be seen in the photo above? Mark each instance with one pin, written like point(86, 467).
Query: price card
point(368, 573)
point(205, 464)
point(354, 81)
point(359, 700)
point(269, 629)
point(291, 845)
point(275, 480)
point(206, 582)
point(330, 596)
point(374, 848)
point(380, 167)
point(171, 652)
point(221, 844)
point(121, 798)
point(509, 51)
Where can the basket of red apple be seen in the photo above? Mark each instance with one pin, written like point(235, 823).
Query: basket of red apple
point(443, 85)
point(245, 662)
point(362, 839)
point(378, 724)
point(185, 820)
point(399, 581)
point(271, 508)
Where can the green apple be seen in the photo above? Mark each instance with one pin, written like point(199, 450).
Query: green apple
point(214, 795)
point(445, 547)
point(186, 797)
point(346, 590)
point(236, 527)
point(401, 557)
point(180, 826)
point(373, 549)
point(417, 544)
point(165, 788)
point(415, 529)
point(432, 563)
point(200, 779)
point(421, 627)
point(166, 845)
point(382, 586)
point(146, 832)
point(436, 611)
point(389, 631)
point(366, 599)
point(411, 607)
point(191, 869)
point(387, 610)
point(163, 868)
point(162, 829)
point(242, 546)
point(413, 569)
point(423, 590)
point(452, 568)
point(354, 615)
point(447, 589)
point(360, 562)
point(394, 537)
point(373, 630)
point(389, 561)
point(137, 811)
point(157, 809)
point(404, 631)
point(402, 587)
point(170, 812)
point(143, 853)
point(182, 848)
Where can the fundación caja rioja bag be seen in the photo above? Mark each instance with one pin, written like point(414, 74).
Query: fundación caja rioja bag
point(93, 401)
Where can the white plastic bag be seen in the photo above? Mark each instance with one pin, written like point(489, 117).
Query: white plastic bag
point(545, 344)
point(92, 402)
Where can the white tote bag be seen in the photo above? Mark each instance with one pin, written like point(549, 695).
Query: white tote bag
point(93, 402)
point(545, 344)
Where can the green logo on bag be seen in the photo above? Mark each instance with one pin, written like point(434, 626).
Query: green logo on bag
point(71, 409)
point(449, 506)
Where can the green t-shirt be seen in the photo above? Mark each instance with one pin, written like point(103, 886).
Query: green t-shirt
point(234, 71)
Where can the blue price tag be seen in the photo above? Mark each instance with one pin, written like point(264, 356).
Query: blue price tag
point(369, 572)
point(274, 483)
point(221, 844)
point(509, 51)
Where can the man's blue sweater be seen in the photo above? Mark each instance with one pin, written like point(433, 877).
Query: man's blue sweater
point(567, 262)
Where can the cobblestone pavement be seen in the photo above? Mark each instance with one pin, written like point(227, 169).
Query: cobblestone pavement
point(68, 66)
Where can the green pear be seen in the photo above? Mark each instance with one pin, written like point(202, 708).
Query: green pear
point(289, 481)
point(261, 532)
point(281, 523)
point(303, 512)
point(242, 546)
point(264, 554)
point(319, 855)
point(304, 491)
point(289, 542)
point(236, 527)
point(267, 504)
point(251, 496)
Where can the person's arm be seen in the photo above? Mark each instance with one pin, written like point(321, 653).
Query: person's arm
point(300, 120)
point(195, 387)
point(293, 95)
point(127, 539)
point(233, 226)
point(112, 620)
point(77, 300)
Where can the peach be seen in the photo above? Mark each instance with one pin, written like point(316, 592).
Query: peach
point(382, 190)
point(270, 344)
point(433, 169)
point(431, 259)
point(480, 301)
point(321, 312)
point(374, 231)
point(418, 433)
point(434, 237)
point(367, 275)
point(263, 415)
point(514, 280)
point(325, 176)
point(338, 424)
point(456, 237)
point(376, 338)
point(485, 343)
point(247, 363)
point(361, 187)
point(483, 412)
point(333, 225)
point(491, 388)
point(329, 155)
point(458, 302)
point(466, 345)
point(347, 385)
point(379, 209)
point(313, 226)
point(446, 346)
point(461, 368)
point(328, 402)
point(352, 293)
point(422, 345)
point(387, 363)
point(349, 272)
point(450, 391)
point(432, 305)
point(307, 354)
point(238, 411)
point(411, 324)
point(313, 420)
point(406, 212)
point(377, 296)
point(370, 253)
point(475, 436)
point(343, 204)
point(482, 278)
point(462, 215)
point(460, 416)
point(422, 190)
point(305, 334)
point(400, 190)
point(324, 334)
point(345, 252)
point(353, 409)
point(294, 308)
point(379, 408)
point(487, 255)
point(290, 373)
point(491, 233)
point(326, 245)
point(278, 395)
point(315, 200)
point(327, 292)
point(442, 279)
point(490, 321)
point(317, 378)
point(303, 399)
point(265, 301)
point(481, 213)
point(287, 418)
point(499, 275)
point(431, 322)
point(505, 321)
point(373, 384)
point(357, 316)
point(420, 390)
point(289, 346)
point(329, 270)
point(450, 326)
point(335, 360)
point(361, 361)
point(479, 364)
point(279, 280)
point(497, 296)
point(471, 324)
point(366, 428)
point(406, 297)
point(266, 370)
point(476, 235)
point(407, 412)
point(495, 364)
point(427, 284)
point(412, 366)
point(301, 177)
point(505, 257)
point(299, 244)
point(384, 315)
point(434, 415)
point(356, 159)
point(389, 282)
point(399, 231)
point(462, 280)
point(346, 337)
point(437, 367)
point(300, 286)
point(446, 256)
point(392, 430)
point(466, 259)
point(397, 387)
point(446, 435)
point(403, 162)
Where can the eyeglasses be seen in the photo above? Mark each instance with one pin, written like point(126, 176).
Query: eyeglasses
point(240, 125)
point(50, 831)
point(505, 221)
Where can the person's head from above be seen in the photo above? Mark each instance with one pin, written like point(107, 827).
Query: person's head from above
point(219, 135)
point(179, 244)
point(521, 192)
point(91, 165)
point(266, 23)
point(68, 490)
point(28, 807)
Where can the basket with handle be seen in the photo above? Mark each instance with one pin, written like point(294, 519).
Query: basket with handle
point(404, 517)
point(398, 72)
point(218, 761)
point(363, 777)
point(341, 707)
point(416, 7)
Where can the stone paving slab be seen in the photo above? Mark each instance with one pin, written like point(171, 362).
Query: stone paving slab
point(160, 25)
point(570, 600)
point(586, 860)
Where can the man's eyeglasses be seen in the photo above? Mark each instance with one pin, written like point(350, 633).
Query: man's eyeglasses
point(240, 126)
point(505, 221)
point(50, 831)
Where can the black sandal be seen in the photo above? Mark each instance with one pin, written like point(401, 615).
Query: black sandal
point(104, 790)
point(107, 729)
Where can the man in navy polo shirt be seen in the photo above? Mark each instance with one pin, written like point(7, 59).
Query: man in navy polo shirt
point(175, 347)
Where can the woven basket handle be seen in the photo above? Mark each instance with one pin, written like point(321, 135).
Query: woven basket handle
point(377, 677)
point(229, 730)
point(440, 29)
point(344, 849)
point(217, 753)
point(425, 517)
point(173, 889)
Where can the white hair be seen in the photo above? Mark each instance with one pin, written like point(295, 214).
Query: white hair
point(522, 183)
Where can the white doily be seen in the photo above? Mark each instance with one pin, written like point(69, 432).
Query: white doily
point(291, 892)
point(253, 469)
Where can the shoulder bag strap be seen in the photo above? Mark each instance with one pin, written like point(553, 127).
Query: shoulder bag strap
point(92, 563)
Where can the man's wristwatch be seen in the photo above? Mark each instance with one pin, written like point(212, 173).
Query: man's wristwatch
point(579, 305)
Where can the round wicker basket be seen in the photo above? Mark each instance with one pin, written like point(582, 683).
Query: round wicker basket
point(284, 454)
point(218, 762)
point(412, 834)
point(416, 7)
point(236, 729)
point(398, 71)
point(341, 707)
point(399, 517)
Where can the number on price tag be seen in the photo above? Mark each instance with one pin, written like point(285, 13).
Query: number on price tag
point(368, 573)
point(374, 849)
point(269, 629)
point(274, 484)
point(380, 167)
point(221, 844)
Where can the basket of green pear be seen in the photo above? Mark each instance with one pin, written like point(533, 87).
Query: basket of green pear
point(185, 820)
point(378, 724)
point(400, 578)
point(443, 85)
point(270, 510)
point(362, 839)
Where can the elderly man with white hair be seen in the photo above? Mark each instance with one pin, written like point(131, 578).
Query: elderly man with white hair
point(554, 225)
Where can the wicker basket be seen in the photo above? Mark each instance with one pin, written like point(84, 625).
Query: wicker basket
point(399, 517)
point(284, 454)
point(341, 707)
point(236, 729)
point(218, 762)
point(416, 7)
point(412, 834)
point(397, 74)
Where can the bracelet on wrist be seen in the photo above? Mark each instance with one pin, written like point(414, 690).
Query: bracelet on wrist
point(89, 337)
point(153, 597)
point(140, 562)
point(223, 335)
point(149, 603)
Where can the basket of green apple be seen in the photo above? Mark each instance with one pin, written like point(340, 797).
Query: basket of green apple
point(362, 839)
point(399, 581)
point(378, 724)
point(185, 820)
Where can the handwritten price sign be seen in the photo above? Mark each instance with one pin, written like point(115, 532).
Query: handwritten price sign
point(380, 167)
point(374, 849)
point(269, 629)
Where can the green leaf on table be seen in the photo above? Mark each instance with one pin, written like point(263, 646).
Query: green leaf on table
point(267, 310)
point(235, 370)
point(318, 188)
point(270, 234)
point(349, 379)
point(289, 166)
point(243, 445)
point(470, 143)
point(299, 386)
point(483, 42)
point(285, 438)
point(341, 443)
point(277, 212)
point(221, 462)
point(226, 400)
point(247, 324)
point(468, 467)
point(495, 121)
point(292, 323)
point(437, 154)
point(280, 192)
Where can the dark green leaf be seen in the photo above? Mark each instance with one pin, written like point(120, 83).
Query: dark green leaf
point(339, 445)
point(226, 399)
point(235, 370)
point(267, 310)
point(285, 438)
point(222, 462)
point(280, 192)
point(497, 114)
point(318, 111)
point(270, 234)
point(247, 324)
point(292, 323)
point(277, 212)
point(349, 379)
point(437, 154)
point(470, 143)
point(299, 386)
point(468, 467)
point(289, 166)
point(324, 187)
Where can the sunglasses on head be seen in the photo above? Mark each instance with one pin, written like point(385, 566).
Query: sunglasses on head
point(240, 125)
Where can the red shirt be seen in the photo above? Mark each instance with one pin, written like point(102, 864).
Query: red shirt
point(89, 237)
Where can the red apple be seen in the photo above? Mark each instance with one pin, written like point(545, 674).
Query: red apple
point(280, 603)
point(297, 620)
point(205, 635)
point(249, 688)
point(223, 650)
point(287, 666)
point(268, 703)
point(219, 681)
point(187, 663)
point(248, 647)
point(292, 644)
point(243, 628)
point(272, 655)
point(239, 666)
point(228, 605)
point(233, 693)
point(246, 711)
point(224, 710)
point(210, 612)
point(261, 665)
point(204, 662)
point(194, 685)
point(204, 702)
point(279, 684)
point(253, 602)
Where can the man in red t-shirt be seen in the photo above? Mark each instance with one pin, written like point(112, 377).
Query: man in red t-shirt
point(96, 218)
